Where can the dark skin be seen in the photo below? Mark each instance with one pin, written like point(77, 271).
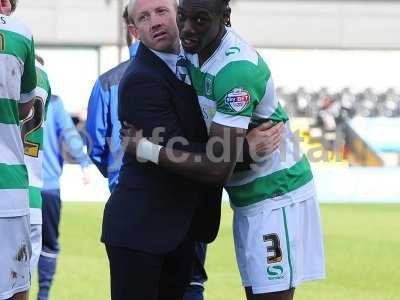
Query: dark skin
point(201, 26)
point(25, 108)
point(285, 295)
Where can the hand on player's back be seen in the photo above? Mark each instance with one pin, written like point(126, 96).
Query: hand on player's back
point(265, 139)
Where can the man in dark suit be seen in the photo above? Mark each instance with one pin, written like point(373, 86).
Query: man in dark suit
point(153, 217)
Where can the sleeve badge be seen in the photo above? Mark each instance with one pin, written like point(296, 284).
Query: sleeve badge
point(237, 99)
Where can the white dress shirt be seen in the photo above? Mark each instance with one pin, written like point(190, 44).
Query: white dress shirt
point(169, 58)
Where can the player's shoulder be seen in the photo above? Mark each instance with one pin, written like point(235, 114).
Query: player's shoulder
point(239, 59)
point(236, 49)
point(113, 76)
point(14, 25)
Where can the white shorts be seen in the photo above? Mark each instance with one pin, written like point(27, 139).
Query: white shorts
point(36, 241)
point(279, 248)
point(15, 256)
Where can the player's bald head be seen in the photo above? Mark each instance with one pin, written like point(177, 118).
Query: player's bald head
point(132, 4)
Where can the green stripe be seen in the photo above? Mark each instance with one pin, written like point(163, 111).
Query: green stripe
point(273, 185)
point(35, 197)
point(35, 139)
point(279, 115)
point(28, 80)
point(16, 44)
point(9, 111)
point(198, 81)
point(288, 247)
point(13, 177)
point(42, 80)
point(246, 75)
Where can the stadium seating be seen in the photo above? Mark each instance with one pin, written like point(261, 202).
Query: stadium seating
point(329, 111)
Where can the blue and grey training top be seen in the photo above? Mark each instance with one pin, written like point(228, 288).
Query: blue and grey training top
point(102, 122)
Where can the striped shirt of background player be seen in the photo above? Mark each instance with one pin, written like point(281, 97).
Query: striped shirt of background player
point(32, 137)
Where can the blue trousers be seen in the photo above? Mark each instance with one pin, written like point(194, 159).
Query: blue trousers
point(51, 212)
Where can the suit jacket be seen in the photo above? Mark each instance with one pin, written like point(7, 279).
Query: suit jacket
point(152, 209)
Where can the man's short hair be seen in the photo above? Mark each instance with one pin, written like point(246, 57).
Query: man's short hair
point(222, 4)
point(126, 17)
point(13, 5)
point(131, 5)
point(128, 21)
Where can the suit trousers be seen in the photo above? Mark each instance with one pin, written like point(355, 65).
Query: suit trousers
point(137, 275)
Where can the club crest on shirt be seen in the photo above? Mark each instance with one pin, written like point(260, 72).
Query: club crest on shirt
point(237, 99)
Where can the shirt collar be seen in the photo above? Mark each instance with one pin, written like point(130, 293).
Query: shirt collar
point(169, 58)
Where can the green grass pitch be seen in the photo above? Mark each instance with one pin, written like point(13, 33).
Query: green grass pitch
point(362, 249)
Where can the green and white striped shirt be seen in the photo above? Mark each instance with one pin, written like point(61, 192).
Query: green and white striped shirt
point(17, 83)
point(32, 138)
point(235, 88)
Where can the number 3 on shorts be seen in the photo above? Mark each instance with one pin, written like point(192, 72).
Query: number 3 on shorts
point(274, 248)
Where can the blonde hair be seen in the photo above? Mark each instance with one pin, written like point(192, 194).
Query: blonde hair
point(131, 6)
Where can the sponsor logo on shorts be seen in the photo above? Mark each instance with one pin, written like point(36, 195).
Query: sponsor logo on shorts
point(275, 272)
point(237, 99)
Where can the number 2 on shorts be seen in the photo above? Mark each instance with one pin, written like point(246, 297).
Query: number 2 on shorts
point(30, 125)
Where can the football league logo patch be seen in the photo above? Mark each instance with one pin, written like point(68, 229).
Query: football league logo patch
point(237, 99)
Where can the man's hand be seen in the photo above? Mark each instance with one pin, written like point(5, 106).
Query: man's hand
point(130, 138)
point(5, 7)
point(265, 139)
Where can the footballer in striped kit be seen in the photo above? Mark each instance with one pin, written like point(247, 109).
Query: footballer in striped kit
point(17, 84)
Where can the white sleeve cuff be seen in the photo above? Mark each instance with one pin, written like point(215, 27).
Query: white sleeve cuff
point(232, 121)
point(25, 98)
